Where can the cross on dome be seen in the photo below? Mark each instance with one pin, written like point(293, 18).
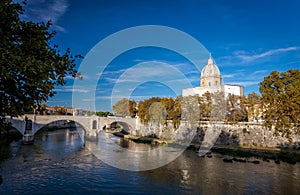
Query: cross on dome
point(210, 60)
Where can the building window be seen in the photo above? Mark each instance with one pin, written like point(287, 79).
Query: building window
point(209, 84)
point(94, 125)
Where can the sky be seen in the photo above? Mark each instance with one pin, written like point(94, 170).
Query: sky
point(247, 40)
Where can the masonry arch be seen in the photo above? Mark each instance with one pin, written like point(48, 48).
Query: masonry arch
point(16, 132)
point(17, 124)
point(63, 124)
point(124, 126)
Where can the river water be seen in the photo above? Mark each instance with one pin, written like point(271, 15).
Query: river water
point(58, 163)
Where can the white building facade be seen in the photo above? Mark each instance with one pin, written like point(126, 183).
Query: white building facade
point(211, 81)
point(233, 90)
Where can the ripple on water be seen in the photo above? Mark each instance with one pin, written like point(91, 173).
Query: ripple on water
point(48, 168)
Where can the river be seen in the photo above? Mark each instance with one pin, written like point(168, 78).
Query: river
point(58, 163)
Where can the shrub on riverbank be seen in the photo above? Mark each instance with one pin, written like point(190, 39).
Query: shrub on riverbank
point(285, 156)
point(10, 136)
point(5, 140)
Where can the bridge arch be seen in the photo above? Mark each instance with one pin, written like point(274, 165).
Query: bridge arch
point(62, 124)
point(90, 124)
point(129, 124)
point(125, 126)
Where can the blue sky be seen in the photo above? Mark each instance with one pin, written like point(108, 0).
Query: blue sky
point(247, 39)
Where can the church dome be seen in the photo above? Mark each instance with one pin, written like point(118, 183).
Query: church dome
point(211, 69)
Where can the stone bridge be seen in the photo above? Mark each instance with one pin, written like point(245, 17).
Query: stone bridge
point(131, 125)
point(91, 124)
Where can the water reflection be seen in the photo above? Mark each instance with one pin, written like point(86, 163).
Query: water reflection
point(136, 156)
point(58, 162)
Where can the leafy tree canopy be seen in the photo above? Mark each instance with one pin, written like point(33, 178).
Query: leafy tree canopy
point(125, 107)
point(281, 98)
point(31, 65)
point(104, 114)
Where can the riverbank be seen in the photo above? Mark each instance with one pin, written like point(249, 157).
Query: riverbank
point(290, 156)
point(146, 140)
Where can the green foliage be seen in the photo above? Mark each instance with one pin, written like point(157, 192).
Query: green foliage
point(4, 129)
point(30, 64)
point(132, 108)
point(191, 108)
point(205, 106)
point(236, 109)
point(103, 114)
point(254, 106)
point(143, 109)
point(125, 107)
point(59, 110)
point(160, 110)
point(173, 110)
point(42, 109)
point(157, 113)
point(218, 105)
point(281, 99)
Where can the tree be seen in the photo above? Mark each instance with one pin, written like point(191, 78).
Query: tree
point(157, 113)
point(281, 100)
point(236, 109)
point(217, 107)
point(42, 109)
point(132, 108)
point(174, 112)
point(254, 106)
point(205, 106)
point(59, 110)
point(31, 65)
point(125, 107)
point(143, 109)
point(190, 110)
point(103, 114)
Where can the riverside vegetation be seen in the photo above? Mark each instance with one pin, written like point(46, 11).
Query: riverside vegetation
point(31, 65)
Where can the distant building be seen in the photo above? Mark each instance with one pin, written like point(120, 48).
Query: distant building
point(62, 110)
point(211, 81)
point(233, 90)
point(52, 110)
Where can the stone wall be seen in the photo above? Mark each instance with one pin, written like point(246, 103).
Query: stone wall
point(243, 134)
point(251, 134)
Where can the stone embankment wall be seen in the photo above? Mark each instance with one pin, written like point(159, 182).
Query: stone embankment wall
point(251, 134)
point(242, 134)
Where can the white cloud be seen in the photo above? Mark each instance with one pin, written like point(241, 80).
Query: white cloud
point(135, 97)
point(260, 72)
point(225, 76)
point(267, 53)
point(246, 83)
point(249, 56)
point(56, 101)
point(241, 57)
point(43, 11)
point(113, 72)
point(70, 89)
point(152, 70)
